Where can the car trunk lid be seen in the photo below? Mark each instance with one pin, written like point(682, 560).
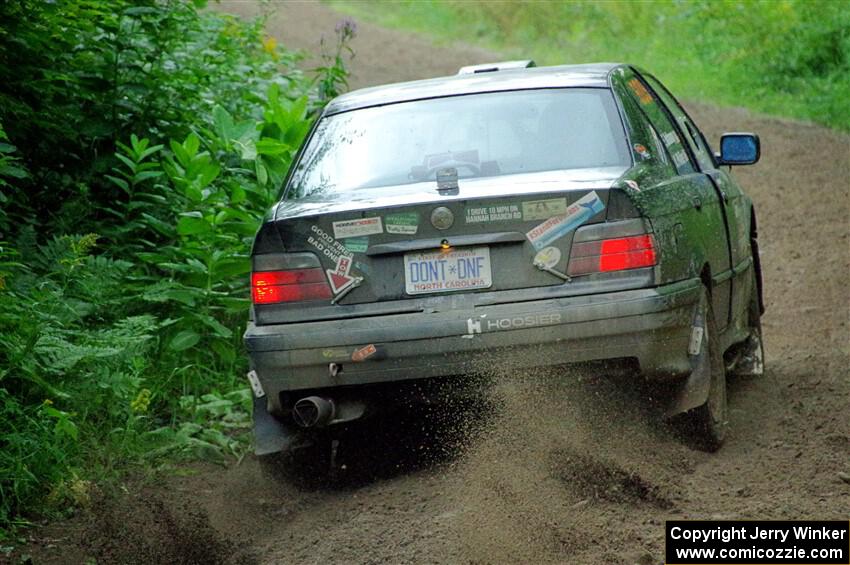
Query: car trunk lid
point(408, 243)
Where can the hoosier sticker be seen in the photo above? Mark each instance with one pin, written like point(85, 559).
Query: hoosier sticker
point(354, 228)
point(555, 228)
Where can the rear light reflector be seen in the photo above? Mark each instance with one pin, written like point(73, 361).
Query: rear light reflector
point(617, 254)
point(272, 287)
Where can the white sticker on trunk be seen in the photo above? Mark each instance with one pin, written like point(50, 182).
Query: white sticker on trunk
point(405, 223)
point(543, 209)
point(494, 213)
point(548, 257)
point(555, 228)
point(326, 245)
point(354, 228)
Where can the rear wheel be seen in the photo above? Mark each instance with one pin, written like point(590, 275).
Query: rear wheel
point(708, 423)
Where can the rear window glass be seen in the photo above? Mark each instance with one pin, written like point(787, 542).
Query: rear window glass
point(478, 135)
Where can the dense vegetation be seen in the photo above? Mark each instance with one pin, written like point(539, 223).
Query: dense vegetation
point(141, 141)
point(785, 57)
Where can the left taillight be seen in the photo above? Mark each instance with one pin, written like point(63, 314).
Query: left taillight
point(292, 285)
point(612, 254)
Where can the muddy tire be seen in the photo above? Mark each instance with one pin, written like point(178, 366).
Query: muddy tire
point(707, 424)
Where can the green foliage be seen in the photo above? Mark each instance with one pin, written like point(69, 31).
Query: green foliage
point(10, 168)
point(150, 137)
point(787, 57)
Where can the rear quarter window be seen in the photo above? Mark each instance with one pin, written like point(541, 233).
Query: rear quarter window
point(698, 144)
point(652, 107)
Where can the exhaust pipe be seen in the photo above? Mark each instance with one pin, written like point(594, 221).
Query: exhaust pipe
point(313, 412)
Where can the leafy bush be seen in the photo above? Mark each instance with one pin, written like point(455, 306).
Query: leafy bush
point(146, 140)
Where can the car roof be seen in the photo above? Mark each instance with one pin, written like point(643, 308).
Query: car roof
point(591, 75)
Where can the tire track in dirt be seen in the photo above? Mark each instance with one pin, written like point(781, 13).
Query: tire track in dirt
point(573, 469)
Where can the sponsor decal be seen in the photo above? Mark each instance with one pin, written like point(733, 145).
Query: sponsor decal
point(482, 325)
point(543, 209)
point(641, 150)
point(357, 244)
point(363, 353)
point(555, 228)
point(334, 353)
point(495, 213)
point(363, 267)
point(640, 91)
point(670, 138)
point(256, 385)
point(326, 245)
point(339, 277)
point(405, 223)
point(361, 226)
point(680, 158)
point(548, 257)
point(695, 344)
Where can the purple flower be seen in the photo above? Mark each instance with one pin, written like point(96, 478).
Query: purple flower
point(346, 28)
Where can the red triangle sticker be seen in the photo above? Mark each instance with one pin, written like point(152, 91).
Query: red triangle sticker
point(339, 277)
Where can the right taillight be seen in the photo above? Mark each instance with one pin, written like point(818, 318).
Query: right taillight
point(295, 285)
point(615, 254)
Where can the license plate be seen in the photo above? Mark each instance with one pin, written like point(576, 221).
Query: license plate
point(447, 270)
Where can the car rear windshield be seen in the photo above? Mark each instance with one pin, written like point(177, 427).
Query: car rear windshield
point(477, 135)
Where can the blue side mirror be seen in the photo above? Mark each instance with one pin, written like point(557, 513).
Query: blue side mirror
point(739, 149)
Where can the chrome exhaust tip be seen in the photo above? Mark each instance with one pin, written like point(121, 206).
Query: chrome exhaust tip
point(313, 412)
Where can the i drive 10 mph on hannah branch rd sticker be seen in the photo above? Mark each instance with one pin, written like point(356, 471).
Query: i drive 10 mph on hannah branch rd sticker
point(447, 270)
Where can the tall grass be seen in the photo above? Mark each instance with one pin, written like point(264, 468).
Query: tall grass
point(783, 57)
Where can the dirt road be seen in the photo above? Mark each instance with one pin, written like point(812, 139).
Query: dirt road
point(566, 471)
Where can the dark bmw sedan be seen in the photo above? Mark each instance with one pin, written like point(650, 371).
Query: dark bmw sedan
point(432, 227)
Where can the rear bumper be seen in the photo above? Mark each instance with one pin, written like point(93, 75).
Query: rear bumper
point(651, 325)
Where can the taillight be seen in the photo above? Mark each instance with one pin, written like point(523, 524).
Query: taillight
point(617, 254)
point(272, 287)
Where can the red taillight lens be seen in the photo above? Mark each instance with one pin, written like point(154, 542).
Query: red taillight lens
point(608, 255)
point(271, 287)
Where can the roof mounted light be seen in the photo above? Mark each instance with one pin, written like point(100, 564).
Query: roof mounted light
point(494, 67)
